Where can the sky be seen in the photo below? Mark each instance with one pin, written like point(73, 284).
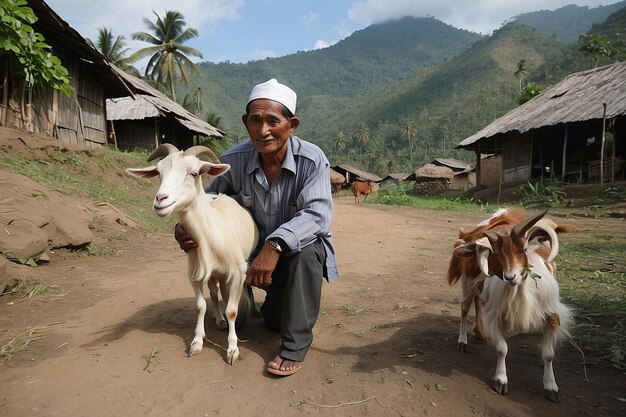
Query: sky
point(243, 30)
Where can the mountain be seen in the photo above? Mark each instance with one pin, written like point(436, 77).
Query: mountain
point(332, 78)
point(568, 22)
point(395, 95)
point(444, 104)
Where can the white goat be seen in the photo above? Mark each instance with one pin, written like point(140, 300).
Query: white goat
point(225, 232)
point(511, 269)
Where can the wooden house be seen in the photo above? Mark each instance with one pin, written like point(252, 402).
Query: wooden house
point(562, 133)
point(353, 174)
point(393, 179)
point(150, 118)
point(80, 118)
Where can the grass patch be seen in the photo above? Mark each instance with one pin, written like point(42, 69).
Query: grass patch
point(26, 288)
point(20, 341)
point(81, 174)
point(352, 311)
point(399, 195)
point(592, 275)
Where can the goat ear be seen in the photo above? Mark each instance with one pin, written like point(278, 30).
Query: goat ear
point(464, 251)
point(147, 172)
point(491, 236)
point(214, 169)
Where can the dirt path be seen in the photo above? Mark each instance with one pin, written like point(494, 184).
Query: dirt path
point(385, 343)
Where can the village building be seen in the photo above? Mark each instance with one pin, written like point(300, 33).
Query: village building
point(574, 131)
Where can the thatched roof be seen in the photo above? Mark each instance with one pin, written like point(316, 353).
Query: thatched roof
point(364, 175)
point(336, 178)
point(58, 32)
point(150, 102)
point(433, 171)
point(398, 176)
point(577, 98)
point(455, 164)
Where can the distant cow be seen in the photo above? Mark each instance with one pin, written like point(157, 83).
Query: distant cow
point(360, 188)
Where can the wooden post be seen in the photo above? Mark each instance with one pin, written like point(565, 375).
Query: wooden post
point(156, 132)
point(613, 153)
point(602, 145)
point(564, 156)
point(113, 134)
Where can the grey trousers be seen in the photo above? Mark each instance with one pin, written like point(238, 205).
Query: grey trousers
point(292, 301)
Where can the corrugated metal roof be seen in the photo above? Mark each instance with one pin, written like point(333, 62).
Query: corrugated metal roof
point(153, 103)
point(577, 98)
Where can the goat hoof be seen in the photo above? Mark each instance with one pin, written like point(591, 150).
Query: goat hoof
point(462, 347)
point(500, 388)
point(195, 347)
point(232, 356)
point(552, 396)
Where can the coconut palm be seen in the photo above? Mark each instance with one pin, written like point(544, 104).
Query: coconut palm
point(114, 49)
point(362, 136)
point(408, 131)
point(340, 142)
point(193, 101)
point(169, 58)
point(521, 72)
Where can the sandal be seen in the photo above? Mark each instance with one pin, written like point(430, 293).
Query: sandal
point(273, 367)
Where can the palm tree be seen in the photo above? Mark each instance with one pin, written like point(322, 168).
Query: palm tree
point(168, 56)
point(193, 101)
point(362, 136)
point(408, 131)
point(113, 49)
point(339, 142)
point(521, 72)
point(214, 119)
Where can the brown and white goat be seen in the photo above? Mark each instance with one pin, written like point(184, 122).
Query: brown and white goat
point(506, 267)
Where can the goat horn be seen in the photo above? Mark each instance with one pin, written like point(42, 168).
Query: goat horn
point(554, 240)
point(200, 150)
point(163, 149)
point(520, 229)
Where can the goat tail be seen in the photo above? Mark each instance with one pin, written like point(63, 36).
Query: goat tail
point(247, 308)
point(566, 317)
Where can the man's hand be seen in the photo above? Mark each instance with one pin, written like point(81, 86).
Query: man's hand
point(185, 241)
point(261, 269)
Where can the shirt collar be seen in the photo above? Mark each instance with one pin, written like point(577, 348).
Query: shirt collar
point(288, 163)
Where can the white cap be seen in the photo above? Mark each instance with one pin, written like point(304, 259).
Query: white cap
point(273, 90)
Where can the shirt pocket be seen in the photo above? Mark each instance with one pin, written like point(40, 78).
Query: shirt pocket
point(245, 200)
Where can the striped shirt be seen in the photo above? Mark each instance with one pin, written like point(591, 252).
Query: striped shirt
point(296, 208)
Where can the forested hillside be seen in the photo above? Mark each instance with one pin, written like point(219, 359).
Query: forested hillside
point(427, 114)
point(568, 22)
point(396, 95)
point(330, 79)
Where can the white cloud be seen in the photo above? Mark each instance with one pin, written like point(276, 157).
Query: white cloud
point(320, 44)
point(309, 19)
point(482, 16)
point(126, 17)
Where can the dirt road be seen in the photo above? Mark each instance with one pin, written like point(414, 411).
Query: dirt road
point(385, 343)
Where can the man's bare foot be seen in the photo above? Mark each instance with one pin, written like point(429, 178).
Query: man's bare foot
point(283, 367)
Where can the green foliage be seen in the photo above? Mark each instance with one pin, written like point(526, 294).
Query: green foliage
point(71, 173)
point(592, 275)
point(399, 195)
point(546, 193)
point(33, 55)
point(114, 49)
point(169, 58)
point(596, 46)
point(568, 22)
point(531, 90)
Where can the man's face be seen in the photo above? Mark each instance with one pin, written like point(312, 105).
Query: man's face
point(268, 127)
